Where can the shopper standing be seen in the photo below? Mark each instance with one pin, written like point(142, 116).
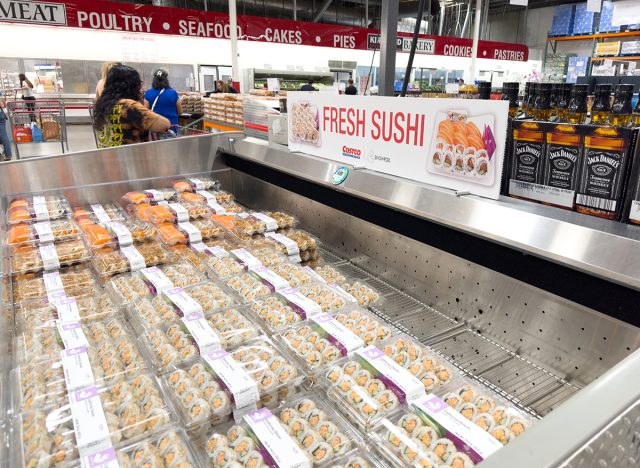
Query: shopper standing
point(27, 94)
point(106, 66)
point(351, 90)
point(308, 87)
point(119, 116)
point(163, 99)
point(5, 141)
point(221, 87)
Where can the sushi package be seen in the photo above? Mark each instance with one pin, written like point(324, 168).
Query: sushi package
point(191, 184)
point(47, 257)
point(98, 213)
point(304, 432)
point(42, 232)
point(74, 281)
point(114, 415)
point(250, 376)
point(37, 208)
point(360, 292)
point(117, 233)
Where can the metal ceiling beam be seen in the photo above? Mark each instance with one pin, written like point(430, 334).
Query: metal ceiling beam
point(321, 10)
point(388, 35)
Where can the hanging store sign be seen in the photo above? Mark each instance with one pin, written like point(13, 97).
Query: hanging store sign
point(149, 19)
point(453, 143)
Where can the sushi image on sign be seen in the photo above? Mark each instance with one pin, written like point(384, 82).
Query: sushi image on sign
point(463, 147)
point(304, 123)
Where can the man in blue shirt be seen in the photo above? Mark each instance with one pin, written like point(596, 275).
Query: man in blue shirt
point(308, 86)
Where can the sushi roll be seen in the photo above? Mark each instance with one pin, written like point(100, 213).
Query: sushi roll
point(468, 410)
point(345, 384)
point(369, 409)
point(374, 387)
point(484, 421)
point(340, 443)
point(500, 415)
point(327, 430)
point(444, 449)
point(443, 374)
point(199, 409)
point(362, 377)
point(351, 367)
point(286, 373)
point(393, 437)
point(409, 422)
point(215, 442)
point(334, 374)
point(402, 358)
point(355, 397)
point(288, 415)
point(321, 453)
point(298, 426)
point(484, 404)
point(517, 426)
point(315, 417)
point(452, 399)
point(209, 388)
point(427, 460)
point(429, 380)
point(460, 460)
point(243, 446)
point(223, 457)
point(219, 403)
point(309, 439)
point(467, 393)
point(305, 406)
point(388, 400)
point(254, 460)
point(409, 453)
point(502, 433)
point(235, 433)
point(356, 462)
point(426, 435)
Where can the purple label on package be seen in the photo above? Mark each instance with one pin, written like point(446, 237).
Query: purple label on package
point(66, 308)
point(75, 351)
point(105, 458)
point(85, 394)
point(184, 304)
point(337, 334)
point(260, 415)
point(72, 335)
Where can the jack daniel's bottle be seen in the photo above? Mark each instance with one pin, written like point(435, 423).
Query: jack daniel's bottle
point(601, 105)
point(621, 109)
point(562, 164)
point(577, 110)
point(527, 157)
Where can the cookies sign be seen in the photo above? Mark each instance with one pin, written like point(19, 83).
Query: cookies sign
point(453, 143)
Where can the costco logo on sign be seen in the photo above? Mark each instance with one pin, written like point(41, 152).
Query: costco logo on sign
point(351, 152)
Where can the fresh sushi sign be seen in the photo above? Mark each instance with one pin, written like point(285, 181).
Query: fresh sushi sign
point(453, 143)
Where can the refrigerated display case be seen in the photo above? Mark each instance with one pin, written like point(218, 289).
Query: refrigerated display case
point(536, 306)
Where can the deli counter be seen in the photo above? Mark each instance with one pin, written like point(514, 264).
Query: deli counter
point(535, 305)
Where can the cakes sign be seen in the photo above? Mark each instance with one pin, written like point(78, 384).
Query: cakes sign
point(453, 143)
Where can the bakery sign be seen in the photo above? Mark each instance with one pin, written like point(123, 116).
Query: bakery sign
point(453, 143)
point(33, 12)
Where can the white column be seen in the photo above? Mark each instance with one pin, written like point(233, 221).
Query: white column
point(233, 23)
point(476, 36)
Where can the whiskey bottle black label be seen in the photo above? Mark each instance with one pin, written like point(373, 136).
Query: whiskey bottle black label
point(562, 167)
point(601, 179)
point(527, 161)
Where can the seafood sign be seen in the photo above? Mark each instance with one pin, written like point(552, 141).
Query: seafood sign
point(453, 143)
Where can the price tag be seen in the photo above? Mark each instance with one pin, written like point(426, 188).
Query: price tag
point(77, 368)
point(155, 195)
point(634, 214)
point(100, 213)
point(194, 234)
point(272, 280)
point(44, 231)
point(66, 308)
point(243, 388)
point(72, 335)
point(304, 306)
point(40, 209)
point(284, 451)
point(158, 280)
point(207, 195)
point(102, 458)
point(338, 334)
point(121, 232)
point(340, 290)
point(314, 275)
point(271, 223)
point(197, 183)
point(216, 207)
point(289, 245)
point(203, 334)
point(246, 258)
point(135, 258)
point(52, 284)
point(49, 256)
point(184, 304)
point(408, 387)
point(89, 421)
point(182, 215)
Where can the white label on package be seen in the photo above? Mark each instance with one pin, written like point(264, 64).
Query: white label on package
point(408, 385)
point(184, 303)
point(40, 209)
point(207, 195)
point(197, 183)
point(457, 428)
point(635, 210)
point(283, 450)
point(156, 195)
point(199, 247)
point(205, 336)
point(218, 252)
point(216, 207)
point(103, 458)
point(66, 309)
point(52, 282)
point(49, 256)
point(243, 388)
point(44, 231)
point(182, 215)
point(315, 275)
point(339, 335)
point(274, 281)
point(191, 231)
point(121, 232)
point(543, 193)
point(89, 421)
point(135, 258)
point(100, 213)
point(271, 223)
point(306, 305)
point(291, 246)
point(158, 280)
point(246, 258)
point(72, 335)
point(340, 290)
point(77, 368)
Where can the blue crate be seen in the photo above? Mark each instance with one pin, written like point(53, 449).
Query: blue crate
point(562, 24)
point(606, 16)
point(577, 67)
point(584, 21)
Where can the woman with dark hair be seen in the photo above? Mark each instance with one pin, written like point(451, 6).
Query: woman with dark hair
point(119, 116)
point(162, 98)
point(27, 93)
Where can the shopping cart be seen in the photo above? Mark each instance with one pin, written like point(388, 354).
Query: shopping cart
point(39, 121)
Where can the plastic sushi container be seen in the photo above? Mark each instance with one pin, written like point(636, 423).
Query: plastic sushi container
point(33, 315)
point(284, 220)
point(214, 200)
point(114, 233)
point(119, 414)
point(174, 344)
point(486, 409)
point(46, 342)
point(201, 254)
point(363, 293)
point(256, 283)
point(191, 184)
point(111, 261)
point(174, 303)
point(37, 208)
point(306, 429)
point(75, 281)
point(295, 274)
point(42, 232)
point(39, 383)
point(99, 213)
point(192, 232)
point(47, 257)
point(156, 214)
point(358, 459)
point(169, 448)
point(247, 224)
point(368, 327)
point(221, 382)
point(186, 211)
point(412, 438)
point(149, 196)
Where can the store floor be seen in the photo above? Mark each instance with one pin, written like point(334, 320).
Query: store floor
point(80, 139)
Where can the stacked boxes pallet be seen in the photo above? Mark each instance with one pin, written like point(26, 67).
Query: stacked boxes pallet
point(226, 108)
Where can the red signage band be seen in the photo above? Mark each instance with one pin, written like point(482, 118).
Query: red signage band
point(132, 18)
